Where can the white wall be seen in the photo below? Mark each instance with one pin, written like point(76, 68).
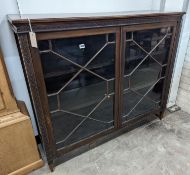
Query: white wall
point(12, 60)
point(7, 41)
point(176, 5)
point(77, 6)
point(182, 47)
point(183, 96)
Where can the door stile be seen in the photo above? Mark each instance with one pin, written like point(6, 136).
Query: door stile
point(118, 78)
point(169, 71)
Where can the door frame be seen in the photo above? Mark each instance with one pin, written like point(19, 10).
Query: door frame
point(164, 94)
point(42, 87)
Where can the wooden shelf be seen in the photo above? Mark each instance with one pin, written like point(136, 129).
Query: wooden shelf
point(93, 67)
point(66, 72)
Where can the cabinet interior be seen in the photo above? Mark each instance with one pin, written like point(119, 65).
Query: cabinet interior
point(79, 74)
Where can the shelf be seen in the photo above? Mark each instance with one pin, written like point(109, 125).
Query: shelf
point(70, 71)
point(97, 66)
point(78, 98)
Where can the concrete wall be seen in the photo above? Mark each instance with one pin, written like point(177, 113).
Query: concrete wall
point(7, 42)
point(181, 51)
point(183, 97)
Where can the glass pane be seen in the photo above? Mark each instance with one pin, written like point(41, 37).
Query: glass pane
point(161, 52)
point(146, 74)
point(142, 101)
point(81, 49)
point(79, 73)
point(82, 98)
point(146, 56)
point(54, 68)
point(149, 39)
point(133, 56)
point(126, 80)
point(43, 45)
point(106, 59)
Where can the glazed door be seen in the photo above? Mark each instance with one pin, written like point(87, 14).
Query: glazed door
point(145, 60)
point(79, 75)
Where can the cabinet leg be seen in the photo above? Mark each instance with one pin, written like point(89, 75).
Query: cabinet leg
point(51, 166)
point(161, 115)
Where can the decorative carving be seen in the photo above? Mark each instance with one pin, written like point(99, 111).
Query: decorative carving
point(30, 75)
point(30, 71)
point(61, 26)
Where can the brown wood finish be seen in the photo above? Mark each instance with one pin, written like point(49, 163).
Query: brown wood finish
point(148, 26)
point(41, 23)
point(41, 84)
point(173, 51)
point(77, 33)
point(19, 152)
point(43, 97)
point(170, 61)
point(46, 133)
point(103, 137)
point(170, 58)
point(117, 81)
point(66, 26)
point(22, 107)
point(41, 18)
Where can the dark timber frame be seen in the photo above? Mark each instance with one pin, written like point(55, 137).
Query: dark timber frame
point(60, 27)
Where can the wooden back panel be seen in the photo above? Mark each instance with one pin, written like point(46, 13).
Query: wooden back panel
point(8, 103)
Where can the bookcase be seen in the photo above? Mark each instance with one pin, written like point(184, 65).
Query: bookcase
point(94, 76)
